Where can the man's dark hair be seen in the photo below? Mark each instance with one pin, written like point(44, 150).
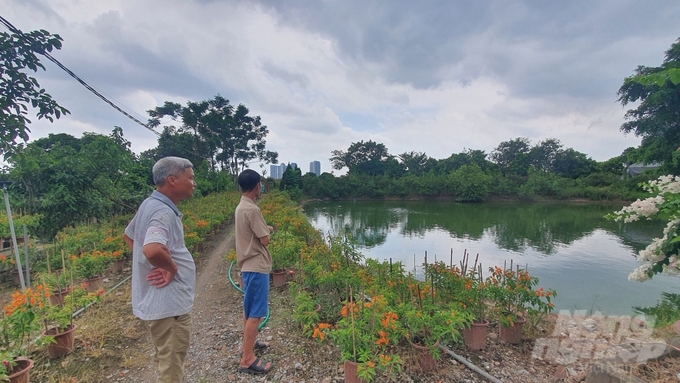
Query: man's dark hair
point(248, 180)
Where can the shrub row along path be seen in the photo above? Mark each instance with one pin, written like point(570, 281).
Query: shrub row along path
point(217, 320)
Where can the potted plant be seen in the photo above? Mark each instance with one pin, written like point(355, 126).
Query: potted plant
point(13, 368)
point(477, 296)
point(57, 320)
point(464, 288)
point(91, 266)
point(18, 323)
point(515, 298)
point(58, 283)
point(428, 320)
point(307, 309)
point(285, 250)
point(119, 257)
point(367, 333)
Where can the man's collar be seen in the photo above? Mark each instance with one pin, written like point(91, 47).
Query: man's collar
point(163, 198)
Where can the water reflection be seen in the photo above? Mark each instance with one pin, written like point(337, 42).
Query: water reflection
point(511, 226)
point(570, 246)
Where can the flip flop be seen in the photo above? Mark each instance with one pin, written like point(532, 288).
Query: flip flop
point(256, 368)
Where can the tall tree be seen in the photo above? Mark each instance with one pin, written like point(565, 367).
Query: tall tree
point(291, 178)
point(572, 164)
point(657, 117)
point(362, 157)
point(544, 153)
point(467, 157)
point(512, 156)
point(415, 163)
point(222, 134)
point(73, 179)
point(18, 91)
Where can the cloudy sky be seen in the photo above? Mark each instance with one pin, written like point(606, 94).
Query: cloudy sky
point(427, 76)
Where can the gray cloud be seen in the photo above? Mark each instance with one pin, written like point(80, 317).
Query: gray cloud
point(435, 76)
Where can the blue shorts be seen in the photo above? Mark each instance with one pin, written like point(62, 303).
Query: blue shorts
point(255, 294)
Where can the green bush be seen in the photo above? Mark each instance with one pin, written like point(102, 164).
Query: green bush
point(666, 312)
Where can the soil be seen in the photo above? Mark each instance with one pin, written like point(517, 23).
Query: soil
point(113, 346)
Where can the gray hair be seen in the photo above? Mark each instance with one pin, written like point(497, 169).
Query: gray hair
point(169, 166)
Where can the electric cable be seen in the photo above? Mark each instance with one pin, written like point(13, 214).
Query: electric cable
point(17, 31)
point(13, 29)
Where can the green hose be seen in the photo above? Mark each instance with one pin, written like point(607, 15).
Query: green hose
point(266, 318)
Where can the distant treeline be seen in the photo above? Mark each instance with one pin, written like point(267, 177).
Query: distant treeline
point(514, 170)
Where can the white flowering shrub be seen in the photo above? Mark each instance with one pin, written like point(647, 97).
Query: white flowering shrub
point(661, 255)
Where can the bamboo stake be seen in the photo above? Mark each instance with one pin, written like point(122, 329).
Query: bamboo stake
point(425, 264)
point(351, 311)
point(464, 263)
point(47, 254)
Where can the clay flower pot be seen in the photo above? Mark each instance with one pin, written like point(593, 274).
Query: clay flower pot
point(64, 341)
point(512, 334)
point(279, 278)
point(351, 372)
point(117, 265)
point(475, 335)
point(94, 284)
point(57, 297)
point(21, 372)
point(423, 358)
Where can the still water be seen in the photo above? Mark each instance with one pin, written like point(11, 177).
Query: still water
point(569, 247)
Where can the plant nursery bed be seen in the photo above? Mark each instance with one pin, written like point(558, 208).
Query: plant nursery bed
point(113, 345)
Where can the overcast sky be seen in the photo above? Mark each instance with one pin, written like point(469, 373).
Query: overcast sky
point(429, 76)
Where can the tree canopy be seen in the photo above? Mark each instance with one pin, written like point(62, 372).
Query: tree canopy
point(367, 157)
point(67, 179)
point(657, 116)
point(214, 130)
point(18, 91)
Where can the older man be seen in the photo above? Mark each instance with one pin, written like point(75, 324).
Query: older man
point(163, 270)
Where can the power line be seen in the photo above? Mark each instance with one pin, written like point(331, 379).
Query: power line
point(81, 81)
point(14, 30)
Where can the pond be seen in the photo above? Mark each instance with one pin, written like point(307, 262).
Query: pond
point(570, 247)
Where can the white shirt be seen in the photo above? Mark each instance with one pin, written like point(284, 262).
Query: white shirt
point(159, 221)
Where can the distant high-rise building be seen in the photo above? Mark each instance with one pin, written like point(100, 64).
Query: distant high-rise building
point(315, 167)
point(274, 171)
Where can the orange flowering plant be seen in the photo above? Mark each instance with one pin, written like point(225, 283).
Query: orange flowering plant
point(285, 249)
point(514, 294)
point(60, 316)
point(367, 333)
point(19, 322)
point(92, 264)
point(464, 286)
point(428, 319)
point(307, 309)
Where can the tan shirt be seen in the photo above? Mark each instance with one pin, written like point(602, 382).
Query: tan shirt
point(251, 255)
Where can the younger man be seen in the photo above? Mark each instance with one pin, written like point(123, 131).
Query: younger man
point(255, 262)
